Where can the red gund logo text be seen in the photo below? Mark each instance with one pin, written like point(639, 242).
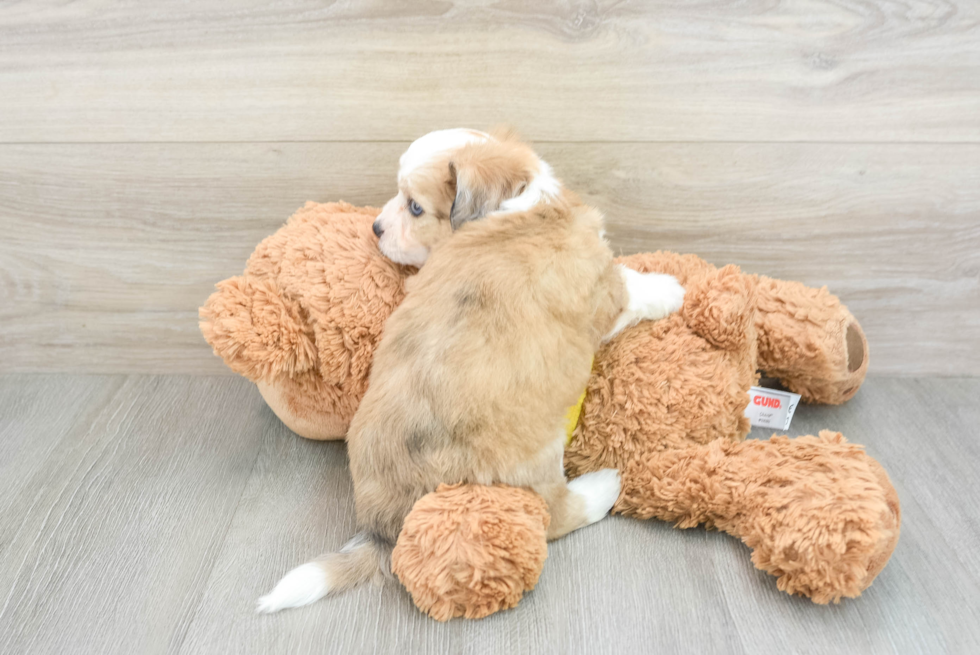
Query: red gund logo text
point(764, 401)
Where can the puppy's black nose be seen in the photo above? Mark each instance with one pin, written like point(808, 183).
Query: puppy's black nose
point(378, 231)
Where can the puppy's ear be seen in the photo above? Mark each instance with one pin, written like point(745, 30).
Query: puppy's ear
point(485, 176)
point(469, 203)
point(471, 200)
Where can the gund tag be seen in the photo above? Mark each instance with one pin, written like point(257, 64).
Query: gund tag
point(769, 408)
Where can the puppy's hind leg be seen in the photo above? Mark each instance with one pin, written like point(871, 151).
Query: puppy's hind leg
point(581, 502)
point(650, 296)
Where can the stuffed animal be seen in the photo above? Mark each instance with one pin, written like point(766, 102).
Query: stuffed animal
point(664, 405)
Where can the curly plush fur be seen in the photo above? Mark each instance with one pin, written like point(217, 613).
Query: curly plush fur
point(472, 550)
point(817, 512)
point(304, 319)
point(664, 405)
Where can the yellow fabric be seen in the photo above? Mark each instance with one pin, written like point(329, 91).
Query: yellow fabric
point(571, 417)
point(573, 413)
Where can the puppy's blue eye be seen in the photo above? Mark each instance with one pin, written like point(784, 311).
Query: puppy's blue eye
point(415, 208)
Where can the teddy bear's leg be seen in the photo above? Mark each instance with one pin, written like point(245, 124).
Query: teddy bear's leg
point(649, 296)
point(453, 566)
point(817, 512)
point(809, 341)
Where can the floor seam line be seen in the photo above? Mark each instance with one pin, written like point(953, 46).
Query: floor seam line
point(219, 549)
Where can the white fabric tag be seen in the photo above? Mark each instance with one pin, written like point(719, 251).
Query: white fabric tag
point(769, 408)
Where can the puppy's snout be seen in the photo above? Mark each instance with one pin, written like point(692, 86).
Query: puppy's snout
point(378, 230)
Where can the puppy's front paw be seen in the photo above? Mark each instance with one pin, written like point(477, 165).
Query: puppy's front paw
point(654, 296)
point(672, 294)
point(600, 489)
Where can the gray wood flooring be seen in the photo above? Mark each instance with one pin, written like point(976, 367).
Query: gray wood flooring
point(145, 514)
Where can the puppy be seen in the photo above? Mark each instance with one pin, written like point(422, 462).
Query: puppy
point(490, 347)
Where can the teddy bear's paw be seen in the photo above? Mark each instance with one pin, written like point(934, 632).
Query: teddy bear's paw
point(600, 489)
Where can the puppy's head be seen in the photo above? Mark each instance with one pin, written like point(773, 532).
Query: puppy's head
point(450, 177)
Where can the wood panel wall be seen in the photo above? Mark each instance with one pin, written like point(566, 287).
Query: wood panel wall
point(146, 148)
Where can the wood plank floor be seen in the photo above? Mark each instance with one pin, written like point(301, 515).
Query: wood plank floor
point(145, 514)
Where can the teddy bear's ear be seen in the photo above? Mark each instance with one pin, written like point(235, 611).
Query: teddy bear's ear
point(256, 330)
point(718, 306)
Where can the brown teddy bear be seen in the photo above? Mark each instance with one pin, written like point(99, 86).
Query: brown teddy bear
point(664, 405)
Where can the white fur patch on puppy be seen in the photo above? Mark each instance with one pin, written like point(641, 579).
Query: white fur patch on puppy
point(301, 586)
point(600, 489)
point(426, 147)
point(651, 296)
point(543, 187)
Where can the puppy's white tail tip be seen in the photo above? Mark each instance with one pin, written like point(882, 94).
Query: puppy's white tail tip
point(301, 586)
point(359, 560)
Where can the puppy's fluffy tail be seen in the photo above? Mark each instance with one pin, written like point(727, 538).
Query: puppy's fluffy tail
point(362, 558)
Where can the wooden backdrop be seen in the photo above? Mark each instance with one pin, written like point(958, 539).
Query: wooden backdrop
point(145, 148)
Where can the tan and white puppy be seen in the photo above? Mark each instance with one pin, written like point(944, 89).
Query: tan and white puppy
point(490, 347)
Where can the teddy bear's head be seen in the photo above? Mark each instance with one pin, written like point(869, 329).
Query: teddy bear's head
point(304, 317)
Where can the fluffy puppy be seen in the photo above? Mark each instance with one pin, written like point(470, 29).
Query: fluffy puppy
point(490, 347)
